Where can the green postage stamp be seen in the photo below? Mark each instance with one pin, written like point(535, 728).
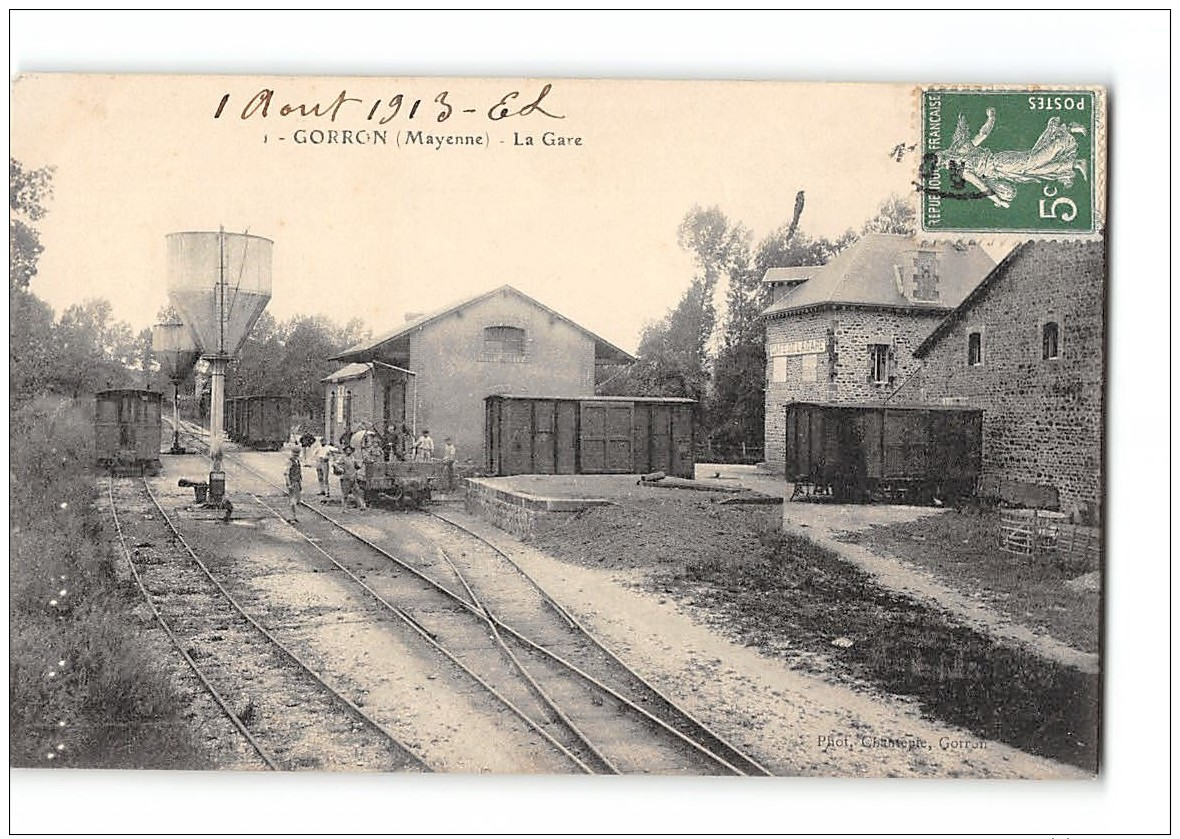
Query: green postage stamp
point(1012, 160)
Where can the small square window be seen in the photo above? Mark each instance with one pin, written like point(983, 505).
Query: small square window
point(974, 349)
point(1050, 343)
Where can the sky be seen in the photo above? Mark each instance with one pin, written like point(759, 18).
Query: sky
point(374, 232)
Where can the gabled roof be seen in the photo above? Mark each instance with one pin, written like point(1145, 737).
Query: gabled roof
point(970, 300)
point(603, 349)
point(870, 273)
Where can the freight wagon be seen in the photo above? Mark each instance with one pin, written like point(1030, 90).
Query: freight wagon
point(259, 422)
point(589, 435)
point(908, 453)
point(127, 431)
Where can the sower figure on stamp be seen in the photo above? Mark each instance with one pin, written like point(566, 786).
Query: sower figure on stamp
point(1053, 157)
point(294, 483)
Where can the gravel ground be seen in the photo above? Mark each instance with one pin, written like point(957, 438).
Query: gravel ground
point(792, 722)
point(796, 724)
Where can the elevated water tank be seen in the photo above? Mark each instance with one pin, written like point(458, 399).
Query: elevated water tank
point(220, 283)
point(173, 347)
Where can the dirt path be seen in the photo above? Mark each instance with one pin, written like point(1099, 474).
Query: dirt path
point(821, 524)
point(794, 723)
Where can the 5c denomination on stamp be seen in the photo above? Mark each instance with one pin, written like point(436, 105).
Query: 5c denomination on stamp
point(1015, 160)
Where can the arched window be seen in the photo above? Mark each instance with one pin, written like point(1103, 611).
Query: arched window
point(503, 343)
point(1050, 344)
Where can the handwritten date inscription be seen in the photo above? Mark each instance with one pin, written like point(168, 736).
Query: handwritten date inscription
point(265, 104)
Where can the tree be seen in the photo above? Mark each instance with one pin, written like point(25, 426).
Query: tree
point(94, 351)
point(292, 358)
point(895, 215)
point(28, 190)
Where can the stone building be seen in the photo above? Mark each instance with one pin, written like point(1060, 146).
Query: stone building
point(846, 331)
point(434, 371)
point(1026, 346)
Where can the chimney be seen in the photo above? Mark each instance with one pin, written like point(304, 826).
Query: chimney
point(413, 316)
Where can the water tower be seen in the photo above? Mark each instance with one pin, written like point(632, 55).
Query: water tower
point(220, 284)
point(173, 346)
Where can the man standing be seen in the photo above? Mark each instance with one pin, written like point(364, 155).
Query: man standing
point(294, 483)
point(424, 447)
point(323, 466)
point(306, 440)
point(349, 486)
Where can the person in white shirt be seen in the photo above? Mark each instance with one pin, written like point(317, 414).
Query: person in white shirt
point(424, 447)
point(325, 455)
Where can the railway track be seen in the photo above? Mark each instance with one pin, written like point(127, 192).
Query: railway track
point(470, 600)
point(287, 715)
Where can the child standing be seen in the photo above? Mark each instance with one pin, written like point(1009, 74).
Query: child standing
point(294, 483)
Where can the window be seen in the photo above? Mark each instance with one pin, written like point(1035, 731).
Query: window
point(974, 349)
point(777, 371)
point(879, 363)
point(1049, 340)
point(808, 367)
point(503, 343)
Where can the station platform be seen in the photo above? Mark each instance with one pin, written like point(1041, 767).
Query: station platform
point(527, 505)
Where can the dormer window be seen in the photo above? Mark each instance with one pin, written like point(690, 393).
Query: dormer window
point(925, 277)
point(503, 343)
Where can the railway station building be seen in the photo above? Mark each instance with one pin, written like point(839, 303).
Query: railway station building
point(1026, 346)
point(435, 370)
point(846, 331)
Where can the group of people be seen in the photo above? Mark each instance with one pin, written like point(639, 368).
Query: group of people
point(347, 460)
point(399, 444)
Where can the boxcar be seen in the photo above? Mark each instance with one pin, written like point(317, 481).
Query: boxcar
point(910, 453)
point(258, 422)
point(127, 430)
point(589, 435)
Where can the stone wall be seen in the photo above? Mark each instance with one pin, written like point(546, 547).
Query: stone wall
point(1043, 418)
point(842, 370)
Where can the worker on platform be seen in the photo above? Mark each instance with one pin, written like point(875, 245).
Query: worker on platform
point(424, 446)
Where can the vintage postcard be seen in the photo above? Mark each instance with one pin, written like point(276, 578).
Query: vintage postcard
point(542, 426)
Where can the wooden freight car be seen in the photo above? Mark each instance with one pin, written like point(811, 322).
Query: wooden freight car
point(127, 431)
point(908, 453)
point(589, 435)
point(258, 422)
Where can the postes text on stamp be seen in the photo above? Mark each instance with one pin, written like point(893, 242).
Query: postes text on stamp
point(1011, 160)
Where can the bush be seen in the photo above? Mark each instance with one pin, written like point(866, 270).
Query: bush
point(79, 674)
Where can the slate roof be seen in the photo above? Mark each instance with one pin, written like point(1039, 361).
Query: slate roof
point(794, 274)
point(970, 300)
point(867, 274)
point(603, 349)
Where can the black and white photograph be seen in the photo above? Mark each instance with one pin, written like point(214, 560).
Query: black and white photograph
point(376, 429)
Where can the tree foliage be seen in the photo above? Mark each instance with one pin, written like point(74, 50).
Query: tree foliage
point(895, 215)
point(291, 358)
point(28, 190)
point(687, 354)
